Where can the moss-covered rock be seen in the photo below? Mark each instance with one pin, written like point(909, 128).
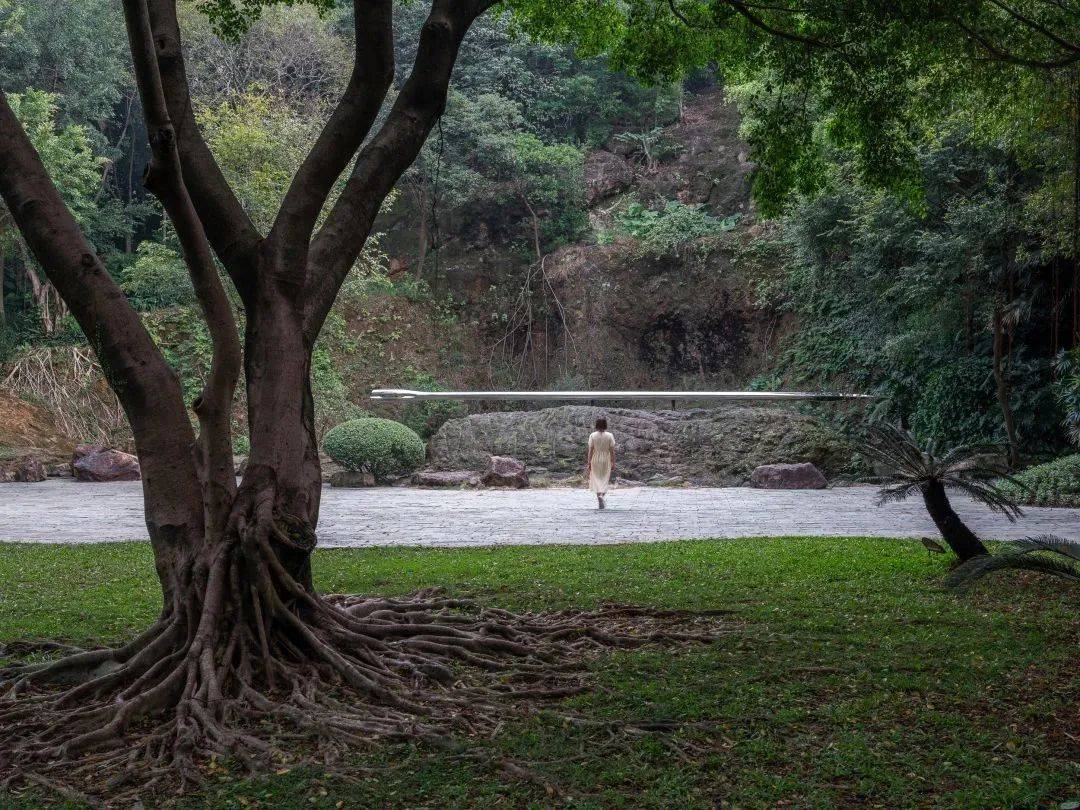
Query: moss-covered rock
point(383, 447)
point(715, 446)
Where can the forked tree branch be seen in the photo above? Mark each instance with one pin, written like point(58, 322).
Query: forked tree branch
point(387, 155)
point(999, 53)
point(229, 229)
point(344, 132)
point(134, 367)
point(1035, 25)
point(165, 178)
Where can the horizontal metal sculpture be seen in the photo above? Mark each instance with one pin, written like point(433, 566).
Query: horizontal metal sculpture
point(590, 396)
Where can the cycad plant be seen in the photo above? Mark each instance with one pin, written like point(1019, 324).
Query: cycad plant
point(910, 468)
point(1046, 553)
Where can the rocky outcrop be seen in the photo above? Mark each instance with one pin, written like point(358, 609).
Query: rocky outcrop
point(350, 478)
point(26, 469)
point(28, 431)
point(446, 478)
point(504, 471)
point(788, 476)
point(605, 175)
point(98, 464)
point(716, 446)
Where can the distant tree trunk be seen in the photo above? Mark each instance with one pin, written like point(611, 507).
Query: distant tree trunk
point(423, 235)
point(956, 534)
point(3, 277)
point(1002, 363)
point(49, 306)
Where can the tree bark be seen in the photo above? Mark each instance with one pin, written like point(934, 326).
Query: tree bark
point(956, 534)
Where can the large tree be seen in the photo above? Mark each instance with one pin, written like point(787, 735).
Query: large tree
point(242, 633)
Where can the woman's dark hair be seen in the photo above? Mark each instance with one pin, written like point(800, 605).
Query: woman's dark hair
point(601, 424)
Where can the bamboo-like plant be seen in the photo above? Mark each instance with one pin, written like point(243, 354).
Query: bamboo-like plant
point(912, 468)
point(1046, 553)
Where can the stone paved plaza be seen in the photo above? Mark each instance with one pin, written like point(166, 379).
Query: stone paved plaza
point(62, 511)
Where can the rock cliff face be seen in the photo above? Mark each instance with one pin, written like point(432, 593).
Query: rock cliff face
point(29, 440)
point(719, 446)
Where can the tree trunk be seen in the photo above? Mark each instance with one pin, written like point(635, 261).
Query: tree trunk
point(1001, 374)
point(959, 537)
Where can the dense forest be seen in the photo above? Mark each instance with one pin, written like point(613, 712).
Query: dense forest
point(571, 225)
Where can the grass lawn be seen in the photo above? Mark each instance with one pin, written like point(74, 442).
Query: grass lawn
point(851, 678)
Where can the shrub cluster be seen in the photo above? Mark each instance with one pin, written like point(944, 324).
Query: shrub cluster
point(383, 447)
point(1056, 483)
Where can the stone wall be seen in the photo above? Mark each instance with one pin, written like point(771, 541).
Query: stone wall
point(716, 446)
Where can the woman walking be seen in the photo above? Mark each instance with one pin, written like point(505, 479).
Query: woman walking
point(601, 463)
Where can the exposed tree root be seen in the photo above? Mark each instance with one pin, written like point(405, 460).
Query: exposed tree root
point(272, 673)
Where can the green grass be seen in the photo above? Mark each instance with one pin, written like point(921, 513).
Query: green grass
point(850, 677)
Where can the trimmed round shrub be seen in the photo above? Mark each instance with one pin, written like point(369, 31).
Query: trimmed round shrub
point(1055, 483)
point(383, 447)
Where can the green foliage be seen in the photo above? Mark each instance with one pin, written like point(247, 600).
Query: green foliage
point(428, 415)
point(331, 395)
point(157, 279)
point(233, 18)
point(1046, 554)
point(382, 446)
point(259, 142)
point(955, 405)
point(184, 340)
point(652, 144)
point(1055, 483)
point(898, 298)
point(1067, 390)
point(486, 161)
point(65, 150)
point(660, 233)
point(75, 50)
point(548, 178)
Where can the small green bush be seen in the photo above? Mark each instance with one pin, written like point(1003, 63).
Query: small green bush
point(1056, 483)
point(382, 446)
point(661, 233)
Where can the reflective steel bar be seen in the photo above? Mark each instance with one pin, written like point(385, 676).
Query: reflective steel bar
point(729, 396)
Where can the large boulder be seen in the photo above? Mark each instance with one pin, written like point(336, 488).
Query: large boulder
point(788, 476)
point(93, 462)
point(710, 447)
point(503, 471)
point(26, 469)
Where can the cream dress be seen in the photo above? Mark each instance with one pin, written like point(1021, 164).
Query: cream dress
point(602, 446)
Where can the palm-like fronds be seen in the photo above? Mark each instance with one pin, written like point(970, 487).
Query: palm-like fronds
point(911, 466)
point(1031, 554)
